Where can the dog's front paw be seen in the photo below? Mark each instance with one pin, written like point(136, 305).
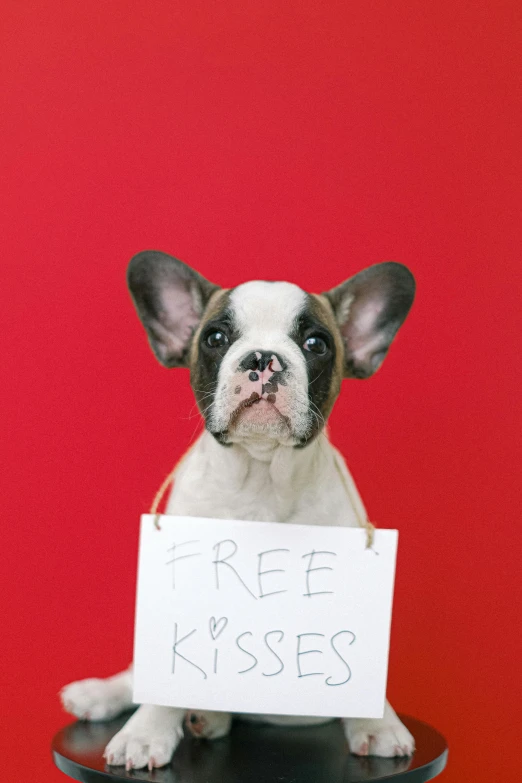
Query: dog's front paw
point(95, 699)
point(211, 725)
point(386, 736)
point(148, 739)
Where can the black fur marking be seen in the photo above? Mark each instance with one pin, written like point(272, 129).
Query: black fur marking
point(272, 385)
point(254, 362)
point(204, 373)
point(320, 368)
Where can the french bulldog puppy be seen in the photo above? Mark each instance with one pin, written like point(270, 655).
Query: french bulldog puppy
point(266, 362)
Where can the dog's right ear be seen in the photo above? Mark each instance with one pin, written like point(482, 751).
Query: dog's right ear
point(369, 309)
point(170, 298)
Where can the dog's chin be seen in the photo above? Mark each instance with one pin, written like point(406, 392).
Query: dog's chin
point(258, 421)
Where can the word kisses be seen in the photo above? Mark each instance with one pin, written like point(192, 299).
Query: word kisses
point(268, 653)
point(260, 583)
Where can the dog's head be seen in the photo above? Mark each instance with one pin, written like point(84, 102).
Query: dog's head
point(266, 359)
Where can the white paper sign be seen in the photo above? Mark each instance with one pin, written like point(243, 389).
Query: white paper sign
point(263, 618)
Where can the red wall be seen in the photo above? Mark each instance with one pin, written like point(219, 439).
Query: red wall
point(300, 140)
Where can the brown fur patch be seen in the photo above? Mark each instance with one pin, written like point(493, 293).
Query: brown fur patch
point(217, 303)
point(321, 309)
point(203, 375)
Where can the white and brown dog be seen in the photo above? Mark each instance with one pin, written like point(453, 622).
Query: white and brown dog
point(266, 362)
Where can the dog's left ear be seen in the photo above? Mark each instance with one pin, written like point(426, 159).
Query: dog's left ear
point(170, 298)
point(369, 309)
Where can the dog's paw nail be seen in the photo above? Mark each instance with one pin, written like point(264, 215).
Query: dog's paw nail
point(151, 764)
point(361, 749)
point(128, 766)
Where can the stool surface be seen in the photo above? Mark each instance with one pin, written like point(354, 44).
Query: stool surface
point(253, 754)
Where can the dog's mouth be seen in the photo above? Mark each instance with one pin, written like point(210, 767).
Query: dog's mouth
point(260, 410)
point(262, 399)
point(257, 417)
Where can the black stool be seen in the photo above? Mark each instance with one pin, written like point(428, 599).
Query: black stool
point(253, 754)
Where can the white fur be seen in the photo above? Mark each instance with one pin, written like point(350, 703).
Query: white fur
point(97, 699)
point(261, 476)
point(258, 480)
point(263, 480)
point(148, 739)
point(264, 314)
point(261, 308)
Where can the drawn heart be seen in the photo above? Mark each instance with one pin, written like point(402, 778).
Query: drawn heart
point(216, 627)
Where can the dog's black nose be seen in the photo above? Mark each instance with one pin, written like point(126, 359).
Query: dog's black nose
point(260, 360)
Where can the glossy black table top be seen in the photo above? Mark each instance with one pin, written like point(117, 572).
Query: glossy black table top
point(253, 754)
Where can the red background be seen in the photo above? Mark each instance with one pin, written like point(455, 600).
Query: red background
point(299, 140)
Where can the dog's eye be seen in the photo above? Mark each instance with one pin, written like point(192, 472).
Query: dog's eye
point(315, 345)
point(217, 340)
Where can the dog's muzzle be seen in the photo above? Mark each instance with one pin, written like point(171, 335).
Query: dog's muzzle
point(264, 372)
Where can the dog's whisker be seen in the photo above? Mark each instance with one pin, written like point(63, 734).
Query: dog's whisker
point(317, 376)
point(212, 384)
point(317, 413)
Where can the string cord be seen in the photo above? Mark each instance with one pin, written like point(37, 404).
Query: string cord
point(356, 504)
point(158, 497)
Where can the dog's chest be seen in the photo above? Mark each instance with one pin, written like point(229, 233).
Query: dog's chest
point(245, 492)
point(294, 486)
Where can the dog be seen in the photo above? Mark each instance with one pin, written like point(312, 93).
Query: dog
point(266, 362)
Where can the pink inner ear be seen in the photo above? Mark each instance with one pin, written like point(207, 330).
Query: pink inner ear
point(179, 318)
point(365, 317)
point(366, 343)
point(369, 309)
